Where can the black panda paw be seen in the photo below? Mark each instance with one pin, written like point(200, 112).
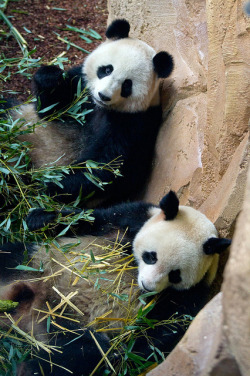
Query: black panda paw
point(47, 77)
point(39, 218)
point(78, 359)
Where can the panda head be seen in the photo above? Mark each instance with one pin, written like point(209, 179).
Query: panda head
point(123, 73)
point(177, 247)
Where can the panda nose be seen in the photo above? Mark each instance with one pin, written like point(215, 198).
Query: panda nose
point(103, 97)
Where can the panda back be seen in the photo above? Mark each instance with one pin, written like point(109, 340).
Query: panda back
point(100, 279)
point(57, 142)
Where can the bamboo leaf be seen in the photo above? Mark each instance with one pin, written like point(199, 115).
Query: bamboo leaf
point(27, 268)
point(48, 108)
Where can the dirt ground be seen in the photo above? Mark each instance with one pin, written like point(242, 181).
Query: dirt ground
point(38, 21)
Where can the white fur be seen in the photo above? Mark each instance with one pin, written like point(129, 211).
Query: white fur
point(98, 284)
point(51, 141)
point(131, 59)
point(179, 245)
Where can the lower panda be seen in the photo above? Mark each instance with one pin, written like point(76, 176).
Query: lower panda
point(123, 115)
point(176, 249)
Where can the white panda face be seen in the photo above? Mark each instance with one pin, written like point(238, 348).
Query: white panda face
point(170, 252)
point(120, 75)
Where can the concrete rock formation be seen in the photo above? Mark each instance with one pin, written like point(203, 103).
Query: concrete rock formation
point(236, 290)
point(202, 151)
point(202, 349)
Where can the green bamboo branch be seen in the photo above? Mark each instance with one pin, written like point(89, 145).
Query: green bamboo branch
point(3, 4)
point(71, 43)
point(19, 38)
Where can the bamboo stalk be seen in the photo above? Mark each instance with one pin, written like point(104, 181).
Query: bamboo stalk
point(4, 4)
point(18, 36)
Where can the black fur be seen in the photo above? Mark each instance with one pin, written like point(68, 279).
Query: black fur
point(118, 29)
point(216, 245)
point(54, 86)
point(172, 302)
point(170, 205)
point(163, 64)
point(12, 255)
point(78, 353)
point(112, 135)
point(107, 135)
point(104, 70)
point(82, 355)
point(7, 104)
point(128, 217)
point(149, 258)
point(126, 88)
point(175, 276)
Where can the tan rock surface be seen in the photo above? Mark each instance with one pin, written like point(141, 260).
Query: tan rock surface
point(224, 203)
point(236, 290)
point(202, 351)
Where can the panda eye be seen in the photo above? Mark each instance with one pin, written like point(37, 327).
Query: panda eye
point(174, 276)
point(108, 70)
point(149, 257)
point(104, 71)
point(126, 88)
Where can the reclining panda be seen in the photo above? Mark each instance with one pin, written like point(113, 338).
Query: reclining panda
point(122, 77)
point(176, 249)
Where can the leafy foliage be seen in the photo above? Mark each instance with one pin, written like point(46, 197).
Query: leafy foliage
point(21, 186)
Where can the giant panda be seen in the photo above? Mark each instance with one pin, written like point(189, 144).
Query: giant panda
point(123, 115)
point(176, 249)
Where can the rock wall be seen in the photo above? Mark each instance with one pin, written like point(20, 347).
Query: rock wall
point(202, 151)
point(202, 348)
point(236, 291)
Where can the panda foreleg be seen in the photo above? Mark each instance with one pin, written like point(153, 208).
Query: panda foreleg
point(78, 352)
point(162, 338)
point(128, 217)
point(39, 218)
point(7, 104)
point(53, 86)
point(103, 148)
point(11, 255)
point(74, 182)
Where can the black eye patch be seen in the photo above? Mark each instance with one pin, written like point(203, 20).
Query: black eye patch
point(104, 70)
point(149, 258)
point(174, 276)
point(126, 88)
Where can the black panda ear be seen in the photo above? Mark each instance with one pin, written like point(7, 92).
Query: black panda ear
point(169, 204)
point(216, 245)
point(118, 29)
point(163, 64)
point(22, 293)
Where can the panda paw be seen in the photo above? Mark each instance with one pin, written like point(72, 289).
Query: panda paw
point(39, 218)
point(47, 77)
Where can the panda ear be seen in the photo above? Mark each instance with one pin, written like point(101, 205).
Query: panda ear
point(22, 293)
point(169, 204)
point(118, 29)
point(163, 64)
point(216, 245)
